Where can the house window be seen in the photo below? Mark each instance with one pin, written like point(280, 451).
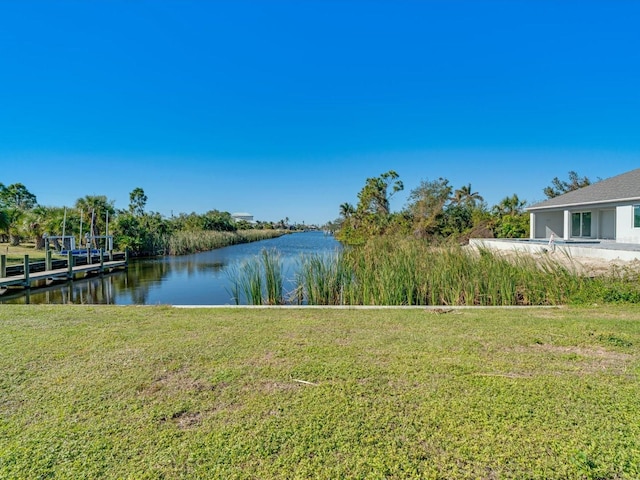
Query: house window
point(636, 216)
point(581, 224)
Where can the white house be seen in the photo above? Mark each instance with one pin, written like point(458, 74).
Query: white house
point(606, 210)
point(247, 217)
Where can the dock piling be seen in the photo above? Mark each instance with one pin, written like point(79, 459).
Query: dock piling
point(70, 261)
point(26, 270)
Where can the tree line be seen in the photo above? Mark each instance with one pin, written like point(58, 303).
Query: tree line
point(134, 228)
point(437, 211)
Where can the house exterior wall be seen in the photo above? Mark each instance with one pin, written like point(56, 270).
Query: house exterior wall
point(547, 223)
point(607, 224)
point(625, 232)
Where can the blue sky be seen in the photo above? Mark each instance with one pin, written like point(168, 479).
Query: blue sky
point(284, 108)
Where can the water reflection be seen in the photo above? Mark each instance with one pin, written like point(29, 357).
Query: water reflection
point(91, 291)
point(199, 279)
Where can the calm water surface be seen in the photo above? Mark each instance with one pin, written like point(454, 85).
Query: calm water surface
point(198, 279)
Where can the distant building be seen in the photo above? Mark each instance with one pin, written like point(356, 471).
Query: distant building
point(247, 217)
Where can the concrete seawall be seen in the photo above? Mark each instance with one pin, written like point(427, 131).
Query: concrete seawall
point(596, 250)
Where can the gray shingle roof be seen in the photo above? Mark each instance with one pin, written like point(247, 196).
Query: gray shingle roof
point(624, 187)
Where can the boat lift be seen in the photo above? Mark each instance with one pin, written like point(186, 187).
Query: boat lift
point(63, 244)
point(67, 243)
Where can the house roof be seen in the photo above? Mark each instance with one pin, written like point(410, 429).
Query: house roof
point(621, 188)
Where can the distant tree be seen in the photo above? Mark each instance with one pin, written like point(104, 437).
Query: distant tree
point(372, 216)
point(137, 201)
point(426, 206)
point(35, 224)
point(141, 234)
point(509, 206)
point(560, 187)
point(218, 221)
point(512, 226)
point(457, 219)
point(4, 223)
point(17, 196)
point(16, 201)
point(374, 197)
point(94, 210)
point(465, 196)
point(346, 210)
point(509, 218)
point(16, 228)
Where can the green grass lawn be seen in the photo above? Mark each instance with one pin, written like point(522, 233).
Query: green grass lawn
point(157, 392)
point(15, 255)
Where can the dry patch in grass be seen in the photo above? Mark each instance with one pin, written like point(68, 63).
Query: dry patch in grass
point(592, 360)
point(171, 382)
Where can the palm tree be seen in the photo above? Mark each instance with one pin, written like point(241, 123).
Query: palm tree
point(464, 196)
point(95, 209)
point(15, 230)
point(41, 220)
point(510, 206)
point(4, 222)
point(346, 210)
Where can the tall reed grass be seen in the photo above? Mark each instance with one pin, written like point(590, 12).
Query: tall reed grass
point(409, 272)
point(183, 243)
point(259, 280)
point(322, 280)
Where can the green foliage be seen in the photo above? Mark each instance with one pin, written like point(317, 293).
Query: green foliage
point(509, 218)
point(213, 220)
point(426, 206)
point(15, 202)
point(372, 215)
point(433, 212)
point(560, 187)
point(137, 201)
point(465, 196)
point(141, 232)
point(16, 196)
point(509, 206)
point(144, 234)
point(185, 242)
point(607, 290)
point(512, 226)
point(95, 211)
point(374, 197)
point(4, 220)
point(457, 219)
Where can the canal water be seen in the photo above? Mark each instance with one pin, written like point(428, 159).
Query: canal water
point(197, 279)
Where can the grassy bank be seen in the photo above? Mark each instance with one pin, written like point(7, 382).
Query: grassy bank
point(15, 255)
point(155, 392)
point(182, 243)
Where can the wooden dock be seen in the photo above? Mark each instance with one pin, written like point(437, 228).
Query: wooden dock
point(30, 275)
